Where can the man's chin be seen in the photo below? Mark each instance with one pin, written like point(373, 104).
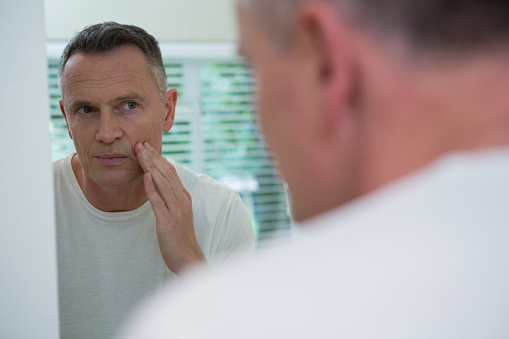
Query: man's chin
point(113, 180)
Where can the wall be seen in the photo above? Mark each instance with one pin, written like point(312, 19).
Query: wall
point(28, 278)
point(167, 20)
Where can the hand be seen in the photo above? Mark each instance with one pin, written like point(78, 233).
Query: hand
point(172, 206)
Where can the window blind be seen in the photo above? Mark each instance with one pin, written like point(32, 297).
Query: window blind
point(215, 132)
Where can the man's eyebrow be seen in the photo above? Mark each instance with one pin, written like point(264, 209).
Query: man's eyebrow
point(128, 97)
point(74, 105)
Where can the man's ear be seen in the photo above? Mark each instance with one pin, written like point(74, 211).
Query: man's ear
point(61, 103)
point(170, 102)
point(327, 46)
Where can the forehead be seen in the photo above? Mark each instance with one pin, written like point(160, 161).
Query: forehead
point(123, 66)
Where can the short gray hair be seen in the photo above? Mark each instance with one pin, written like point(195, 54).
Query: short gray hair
point(104, 37)
point(446, 25)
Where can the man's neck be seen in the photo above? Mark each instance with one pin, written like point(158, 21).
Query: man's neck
point(457, 110)
point(109, 199)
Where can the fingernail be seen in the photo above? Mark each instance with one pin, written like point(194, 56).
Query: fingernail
point(141, 146)
point(150, 177)
point(145, 155)
point(147, 145)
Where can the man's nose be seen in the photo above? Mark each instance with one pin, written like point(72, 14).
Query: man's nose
point(109, 128)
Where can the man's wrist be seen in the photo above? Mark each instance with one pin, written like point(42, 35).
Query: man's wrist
point(194, 259)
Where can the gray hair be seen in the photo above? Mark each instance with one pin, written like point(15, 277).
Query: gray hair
point(104, 37)
point(446, 25)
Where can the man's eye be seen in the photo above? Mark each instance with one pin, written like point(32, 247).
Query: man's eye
point(130, 105)
point(86, 110)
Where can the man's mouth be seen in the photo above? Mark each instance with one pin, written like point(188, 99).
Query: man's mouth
point(111, 159)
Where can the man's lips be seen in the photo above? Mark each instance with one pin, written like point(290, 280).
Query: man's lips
point(111, 158)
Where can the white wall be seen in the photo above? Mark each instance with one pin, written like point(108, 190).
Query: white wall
point(166, 20)
point(28, 278)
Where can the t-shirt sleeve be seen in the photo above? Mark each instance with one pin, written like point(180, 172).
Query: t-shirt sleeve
point(237, 239)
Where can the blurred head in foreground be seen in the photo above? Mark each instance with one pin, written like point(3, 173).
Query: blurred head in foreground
point(354, 94)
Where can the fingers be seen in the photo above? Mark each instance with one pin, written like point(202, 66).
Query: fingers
point(143, 156)
point(173, 209)
point(164, 176)
point(156, 201)
point(153, 161)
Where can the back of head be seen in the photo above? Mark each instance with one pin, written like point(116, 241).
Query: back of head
point(447, 25)
point(104, 37)
point(396, 84)
point(431, 25)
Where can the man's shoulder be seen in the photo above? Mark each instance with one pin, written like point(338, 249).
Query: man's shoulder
point(370, 262)
point(59, 163)
point(61, 166)
point(421, 244)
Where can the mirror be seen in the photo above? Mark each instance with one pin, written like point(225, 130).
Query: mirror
point(105, 264)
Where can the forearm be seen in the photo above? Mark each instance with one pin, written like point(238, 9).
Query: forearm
point(186, 259)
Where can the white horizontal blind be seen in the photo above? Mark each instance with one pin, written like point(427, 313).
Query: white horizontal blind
point(215, 132)
point(61, 143)
point(233, 149)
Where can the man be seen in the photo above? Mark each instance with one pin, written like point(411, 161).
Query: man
point(127, 219)
point(390, 123)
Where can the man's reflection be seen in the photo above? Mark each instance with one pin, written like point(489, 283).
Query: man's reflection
point(128, 219)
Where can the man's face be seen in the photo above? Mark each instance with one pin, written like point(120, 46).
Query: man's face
point(281, 106)
point(111, 102)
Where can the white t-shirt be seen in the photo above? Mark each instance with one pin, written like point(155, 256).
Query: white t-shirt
point(425, 257)
point(108, 262)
